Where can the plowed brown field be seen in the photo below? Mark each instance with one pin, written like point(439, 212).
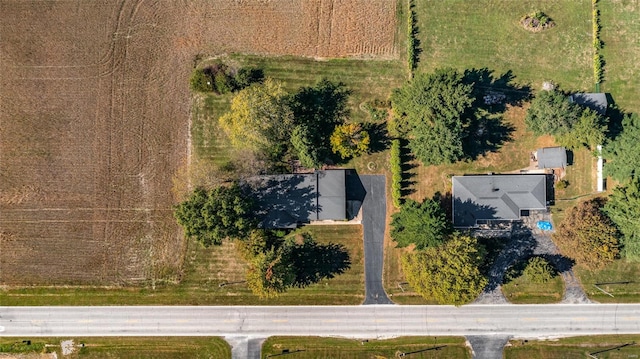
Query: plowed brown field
point(94, 110)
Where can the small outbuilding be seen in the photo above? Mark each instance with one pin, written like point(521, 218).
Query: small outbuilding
point(595, 101)
point(551, 157)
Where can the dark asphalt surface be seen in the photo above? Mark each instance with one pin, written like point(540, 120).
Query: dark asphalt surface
point(374, 211)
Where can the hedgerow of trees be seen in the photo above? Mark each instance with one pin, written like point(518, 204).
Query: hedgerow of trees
point(447, 274)
point(211, 216)
point(422, 224)
point(588, 236)
point(622, 155)
point(623, 207)
point(432, 112)
point(221, 79)
point(396, 172)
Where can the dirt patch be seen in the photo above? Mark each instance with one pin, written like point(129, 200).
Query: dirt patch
point(94, 119)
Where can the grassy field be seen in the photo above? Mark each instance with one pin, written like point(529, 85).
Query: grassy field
point(204, 270)
point(478, 34)
point(127, 347)
point(576, 347)
point(621, 36)
point(315, 347)
point(618, 271)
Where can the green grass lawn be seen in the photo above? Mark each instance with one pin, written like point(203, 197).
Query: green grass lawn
point(486, 33)
point(316, 347)
point(204, 270)
point(621, 36)
point(576, 347)
point(128, 347)
point(618, 271)
point(522, 291)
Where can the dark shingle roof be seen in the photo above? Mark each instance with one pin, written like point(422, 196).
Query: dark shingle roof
point(486, 197)
point(284, 201)
point(552, 157)
point(595, 101)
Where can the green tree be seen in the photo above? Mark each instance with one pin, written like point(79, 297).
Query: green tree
point(623, 207)
point(432, 111)
point(587, 235)
point(448, 274)
point(350, 140)
point(200, 81)
point(320, 108)
point(589, 131)
point(622, 155)
point(539, 270)
point(212, 216)
point(423, 224)
point(436, 144)
point(304, 148)
point(260, 119)
point(270, 273)
point(552, 113)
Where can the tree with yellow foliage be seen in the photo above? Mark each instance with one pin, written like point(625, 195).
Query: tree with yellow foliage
point(350, 140)
point(260, 119)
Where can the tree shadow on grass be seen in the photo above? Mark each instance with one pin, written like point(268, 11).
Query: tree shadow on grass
point(314, 262)
point(487, 131)
point(495, 92)
point(378, 135)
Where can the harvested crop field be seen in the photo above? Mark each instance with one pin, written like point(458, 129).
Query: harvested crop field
point(94, 119)
point(316, 28)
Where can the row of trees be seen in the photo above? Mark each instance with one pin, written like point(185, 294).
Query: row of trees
point(308, 125)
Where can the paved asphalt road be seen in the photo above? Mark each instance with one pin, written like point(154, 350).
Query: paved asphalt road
point(374, 321)
point(374, 212)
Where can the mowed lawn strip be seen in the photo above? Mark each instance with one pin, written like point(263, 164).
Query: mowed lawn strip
point(487, 33)
point(126, 347)
point(205, 269)
point(619, 279)
point(523, 291)
point(621, 37)
point(318, 347)
point(575, 347)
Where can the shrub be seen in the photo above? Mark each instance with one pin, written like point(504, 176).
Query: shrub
point(396, 173)
point(562, 184)
point(537, 21)
point(200, 81)
point(539, 270)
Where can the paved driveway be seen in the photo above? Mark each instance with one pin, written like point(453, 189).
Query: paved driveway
point(374, 211)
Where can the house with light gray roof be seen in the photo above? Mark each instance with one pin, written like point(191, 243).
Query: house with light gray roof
point(486, 198)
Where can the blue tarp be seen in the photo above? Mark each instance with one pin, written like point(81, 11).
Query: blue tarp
point(544, 225)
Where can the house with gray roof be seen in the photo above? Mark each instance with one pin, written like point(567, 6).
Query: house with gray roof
point(551, 157)
point(485, 198)
point(290, 200)
point(595, 101)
